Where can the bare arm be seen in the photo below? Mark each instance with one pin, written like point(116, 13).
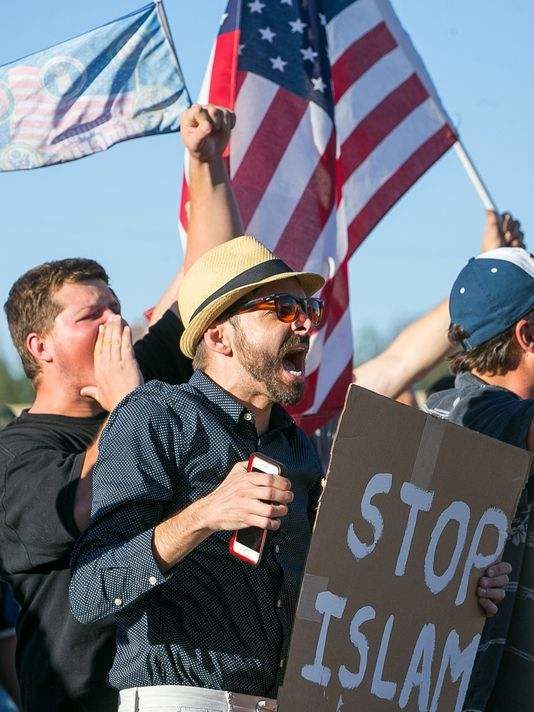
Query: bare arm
point(213, 212)
point(418, 348)
point(244, 499)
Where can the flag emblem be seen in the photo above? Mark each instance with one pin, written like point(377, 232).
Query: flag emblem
point(117, 82)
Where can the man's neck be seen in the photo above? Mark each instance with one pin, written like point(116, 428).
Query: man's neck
point(515, 381)
point(54, 400)
point(239, 387)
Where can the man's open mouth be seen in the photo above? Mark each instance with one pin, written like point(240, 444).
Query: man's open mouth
point(294, 360)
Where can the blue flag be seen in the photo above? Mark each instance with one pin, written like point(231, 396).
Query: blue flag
point(117, 82)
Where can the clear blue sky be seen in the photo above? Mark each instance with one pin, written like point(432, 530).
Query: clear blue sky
point(120, 206)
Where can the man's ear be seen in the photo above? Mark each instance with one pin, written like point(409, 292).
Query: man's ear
point(39, 347)
point(216, 338)
point(524, 334)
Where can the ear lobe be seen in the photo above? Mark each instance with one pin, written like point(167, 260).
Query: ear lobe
point(39, 348)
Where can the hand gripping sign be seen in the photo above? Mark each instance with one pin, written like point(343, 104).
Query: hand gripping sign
point(413, 510)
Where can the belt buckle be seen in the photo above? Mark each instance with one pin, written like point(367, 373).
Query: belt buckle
point(267, 706)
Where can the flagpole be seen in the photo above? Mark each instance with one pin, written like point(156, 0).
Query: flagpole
point(160, 8)
point(475, 177)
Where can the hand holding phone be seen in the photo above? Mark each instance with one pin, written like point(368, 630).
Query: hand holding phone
point(247, 544)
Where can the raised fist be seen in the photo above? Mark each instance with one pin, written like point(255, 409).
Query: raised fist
point(206, 130)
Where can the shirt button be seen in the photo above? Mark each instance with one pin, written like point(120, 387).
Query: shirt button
point(282, 662)
point(152, 580)
point(277, 549)
point(248, 416)
point(117, 601)
point(279, 603)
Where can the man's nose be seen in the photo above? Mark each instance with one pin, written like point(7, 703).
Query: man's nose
point(302, 325)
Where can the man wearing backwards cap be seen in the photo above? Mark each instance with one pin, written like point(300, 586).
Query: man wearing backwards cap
point(492, 321)
point(197, 628)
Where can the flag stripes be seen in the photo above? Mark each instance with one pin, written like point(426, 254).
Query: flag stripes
point(314, 172)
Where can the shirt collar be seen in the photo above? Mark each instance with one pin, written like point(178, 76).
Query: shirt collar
point(280, 419)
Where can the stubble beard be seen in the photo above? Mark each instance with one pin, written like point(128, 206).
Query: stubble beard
point(265, 367)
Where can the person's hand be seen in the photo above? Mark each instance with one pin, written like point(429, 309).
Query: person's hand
point(246, 499)
point(491, 587)
point(206, 130)
point(501, 231)
point(116, 370)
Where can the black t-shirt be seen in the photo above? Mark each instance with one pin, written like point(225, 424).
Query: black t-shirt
point(62, 665)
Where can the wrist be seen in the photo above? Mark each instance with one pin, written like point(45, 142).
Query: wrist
point(199, 517)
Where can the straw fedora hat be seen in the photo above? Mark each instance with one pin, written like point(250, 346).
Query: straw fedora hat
point(223, 275)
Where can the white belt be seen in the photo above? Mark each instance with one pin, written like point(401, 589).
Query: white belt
point(193, 699)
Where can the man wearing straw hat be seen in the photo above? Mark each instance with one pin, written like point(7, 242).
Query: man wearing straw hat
point(171, 484)
point(197, 628)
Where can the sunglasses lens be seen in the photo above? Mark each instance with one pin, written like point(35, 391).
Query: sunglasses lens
point(286, 308)
point(315, 310)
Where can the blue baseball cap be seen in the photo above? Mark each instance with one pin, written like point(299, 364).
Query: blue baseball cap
point(491, 293)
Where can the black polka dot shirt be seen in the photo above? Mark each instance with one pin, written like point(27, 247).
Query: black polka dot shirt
point(212, 620)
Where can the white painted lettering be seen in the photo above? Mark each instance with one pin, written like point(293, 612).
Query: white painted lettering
point(420, 669)
point(384, 689)
point(350, 680)
point(419, 500)
point(378, 484)
point(460, 663)
point(330, 606)
point(492, 517)
point(458, 512)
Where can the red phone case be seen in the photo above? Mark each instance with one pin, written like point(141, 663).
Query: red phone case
point(234, 536)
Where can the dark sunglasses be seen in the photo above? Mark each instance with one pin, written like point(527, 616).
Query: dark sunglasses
point(287, 307)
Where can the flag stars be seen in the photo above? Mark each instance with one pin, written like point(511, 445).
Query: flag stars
point(298, 26)
point(318, 84)
point(267, 34)
point(308, 53)
point(224, 18)
point(322, 19)
point(286, 2)
point(278, 63)
point(240, 49)
point(256, 6)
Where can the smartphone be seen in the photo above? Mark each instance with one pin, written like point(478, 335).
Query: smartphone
point(247, 544)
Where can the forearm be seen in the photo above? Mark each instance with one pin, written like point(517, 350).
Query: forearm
point(84, 489)
point(214, 216)
point(416, 350)
point(178, 535)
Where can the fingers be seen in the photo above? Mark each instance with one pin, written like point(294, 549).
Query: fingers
point(499, 569)
point(489, 608)
point(89, 392)
point(255, 520)
point(263, 480)
point(209, 118)
point(270, 494)
point(513, 236)
point(267, 510)
point(99, 341)
point(493, 594)
point(127, 351)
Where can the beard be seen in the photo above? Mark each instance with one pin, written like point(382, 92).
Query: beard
point(265, 366)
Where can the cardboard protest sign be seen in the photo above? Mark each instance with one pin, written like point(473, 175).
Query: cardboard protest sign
point(413, 509)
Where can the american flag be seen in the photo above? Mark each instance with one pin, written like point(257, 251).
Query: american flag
point(336, 119)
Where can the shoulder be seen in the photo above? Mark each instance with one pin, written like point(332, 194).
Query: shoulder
point(20, 436)
point(154, 406)
point(490, 410)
